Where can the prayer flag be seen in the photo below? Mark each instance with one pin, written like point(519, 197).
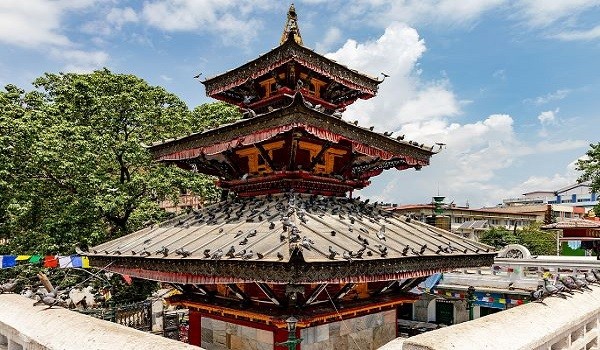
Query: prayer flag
point(23, 257)
point(64, 261)
point(35, 259)
point(50, 261)
point(9, 261)
point(85, 262)
point(128, 279)
point(76, 261)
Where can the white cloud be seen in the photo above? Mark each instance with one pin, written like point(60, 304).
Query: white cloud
point(402, 97)
point(477, 152)
point(33, 23)
point(499, 74)
point(332, 36)
point(425, 12)
point(548, 117)
point(552, 96)
point(80, 61)
point(590, 34)
point(230, 18)
point(120, 16)
point(535, 13)
point(549, 183)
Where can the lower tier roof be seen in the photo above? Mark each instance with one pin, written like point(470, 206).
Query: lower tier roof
point(289, 238)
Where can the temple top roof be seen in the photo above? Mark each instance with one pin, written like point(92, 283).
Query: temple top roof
point(291, 27)
point(293, 66)
point(279, 237)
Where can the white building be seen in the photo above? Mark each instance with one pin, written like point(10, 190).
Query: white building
point(579, 195)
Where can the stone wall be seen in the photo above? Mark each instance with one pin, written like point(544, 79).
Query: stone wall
point(365, 332)
point(28, 327)
point(221, 335)
point(568, 324)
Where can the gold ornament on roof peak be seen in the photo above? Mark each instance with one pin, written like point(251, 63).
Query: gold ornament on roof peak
point(291, 27)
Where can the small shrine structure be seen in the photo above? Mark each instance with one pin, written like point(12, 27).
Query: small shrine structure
point(289, 243)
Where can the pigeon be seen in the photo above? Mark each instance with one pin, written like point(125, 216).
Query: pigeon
point(581, 284)
point(47, 299)
point(347, 255)
point(279, 256)
point(562, 288)
point(590, 277)
point(306, 242)
point(239, 233)
point(207, 253)
point(538, 295)
point(164, 251)
point(332, 253)
point(423, 248)
point(8, 287)
point(217, 255)
point(271, 225)
point(252, 233)
point(550, 289)
point(381, 233)
point(248, 255)
point(570, 283)
point(184, 253)
point(259, 255)
point(244, 241)
point(230, 252)
point(382, 250)
point(405, 250)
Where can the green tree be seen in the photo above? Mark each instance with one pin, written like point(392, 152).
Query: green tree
point(498, 237)
point(73, 165)
point(590, 166)
point(537, 241)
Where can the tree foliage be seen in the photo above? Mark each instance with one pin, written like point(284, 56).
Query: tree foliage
point(537, 241)
point(590, 166)
point(73, 165)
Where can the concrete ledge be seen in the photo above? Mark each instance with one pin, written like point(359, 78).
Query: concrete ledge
point(531, 326)
point(24, 326)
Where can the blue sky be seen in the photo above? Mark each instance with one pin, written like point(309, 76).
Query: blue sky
point(512, 87)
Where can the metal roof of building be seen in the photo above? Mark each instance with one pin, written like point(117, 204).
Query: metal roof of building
point(288, 229)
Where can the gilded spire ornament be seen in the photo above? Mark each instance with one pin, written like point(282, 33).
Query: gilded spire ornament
point(291, 27)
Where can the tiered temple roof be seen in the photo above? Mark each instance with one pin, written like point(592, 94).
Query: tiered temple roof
point(291, 229)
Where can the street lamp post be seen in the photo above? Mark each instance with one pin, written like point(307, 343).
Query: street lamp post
point(291, 341)
point(470, 300)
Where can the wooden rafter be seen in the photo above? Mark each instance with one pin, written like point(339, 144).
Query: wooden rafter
point(268, 292)
point(265, 155)
point(345, 290)
point(319, 155)
point(315, 294)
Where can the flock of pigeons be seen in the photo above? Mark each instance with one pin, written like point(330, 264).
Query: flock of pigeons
point(56, 297)
point(566, 285)
point(363, 229)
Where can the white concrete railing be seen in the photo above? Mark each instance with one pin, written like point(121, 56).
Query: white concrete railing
point(27, 327)
point(566, 324)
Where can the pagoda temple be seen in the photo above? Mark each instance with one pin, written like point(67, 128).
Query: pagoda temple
point(288, 242)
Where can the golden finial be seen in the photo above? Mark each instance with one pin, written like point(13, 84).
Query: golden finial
point(291, 27)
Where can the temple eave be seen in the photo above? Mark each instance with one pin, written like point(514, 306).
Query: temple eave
point(283, 54)
point(183, 271)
